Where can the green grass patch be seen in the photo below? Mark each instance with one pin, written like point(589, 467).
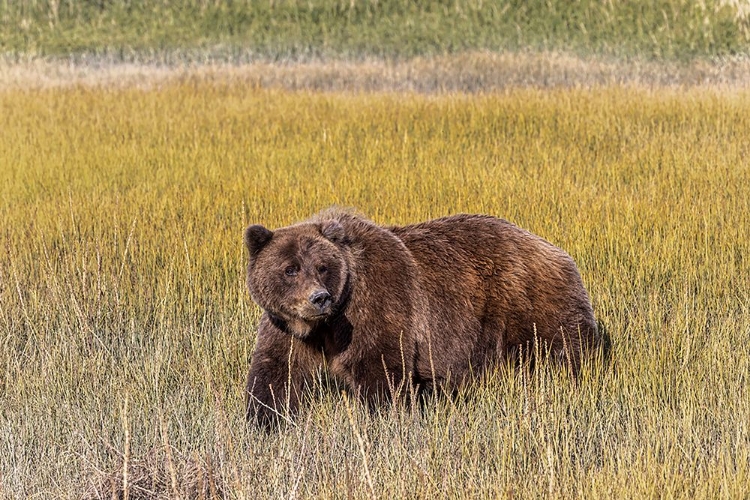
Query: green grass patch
point(125, 327)
point(246, 29)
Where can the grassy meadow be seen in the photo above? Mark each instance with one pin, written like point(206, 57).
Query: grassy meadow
point(125, 327)
point(175, 31)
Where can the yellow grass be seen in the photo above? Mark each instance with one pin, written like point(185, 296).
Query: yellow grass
point(125, 328)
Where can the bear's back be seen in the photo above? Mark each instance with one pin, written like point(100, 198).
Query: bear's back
point(483, 242)
point(507, 278)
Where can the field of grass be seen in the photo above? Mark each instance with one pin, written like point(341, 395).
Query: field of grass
point(125, 328)
point(241, 30)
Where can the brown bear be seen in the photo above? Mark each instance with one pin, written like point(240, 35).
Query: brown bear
point(427, 304)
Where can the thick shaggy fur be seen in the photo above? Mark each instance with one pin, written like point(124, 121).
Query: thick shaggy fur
point(427, 303)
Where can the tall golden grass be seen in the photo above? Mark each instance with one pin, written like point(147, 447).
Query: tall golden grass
point(125, 329)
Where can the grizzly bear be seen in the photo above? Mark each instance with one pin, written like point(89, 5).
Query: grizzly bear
point(425, 304)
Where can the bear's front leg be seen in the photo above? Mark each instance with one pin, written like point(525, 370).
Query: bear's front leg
point(383, 375)
point(280, 368)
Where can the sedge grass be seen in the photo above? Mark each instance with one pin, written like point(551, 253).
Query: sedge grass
point(125, 328)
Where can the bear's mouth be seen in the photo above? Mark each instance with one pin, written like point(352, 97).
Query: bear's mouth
point(313, 314)
point(317, 316)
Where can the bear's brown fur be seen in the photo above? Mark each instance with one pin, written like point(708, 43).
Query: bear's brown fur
point(427, 303)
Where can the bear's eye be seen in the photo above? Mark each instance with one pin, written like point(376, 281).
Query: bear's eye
point(291, 271)
point(322, 269)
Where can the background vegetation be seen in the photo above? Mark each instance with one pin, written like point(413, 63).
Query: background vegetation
point(125, 329)
point(237, 30)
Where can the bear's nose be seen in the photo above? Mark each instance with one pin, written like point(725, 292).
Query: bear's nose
point(321, 299)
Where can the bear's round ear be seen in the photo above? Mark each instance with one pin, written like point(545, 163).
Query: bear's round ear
point(332, 230)
point(256, 237)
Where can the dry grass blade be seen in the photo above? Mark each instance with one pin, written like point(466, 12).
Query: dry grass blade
point(360, 443)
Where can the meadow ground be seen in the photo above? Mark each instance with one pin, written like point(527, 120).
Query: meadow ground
point(478, 71)
point(125, 328)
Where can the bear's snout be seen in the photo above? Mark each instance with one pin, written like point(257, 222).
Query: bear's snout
point(322, 300)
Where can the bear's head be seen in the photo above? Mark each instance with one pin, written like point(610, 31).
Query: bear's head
point(298, 274)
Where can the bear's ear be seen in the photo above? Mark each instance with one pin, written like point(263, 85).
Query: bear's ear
point(256, 237)
point(332, 230)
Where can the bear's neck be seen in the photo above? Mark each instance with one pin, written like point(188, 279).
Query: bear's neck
point(332, 336)
point(295, 327)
